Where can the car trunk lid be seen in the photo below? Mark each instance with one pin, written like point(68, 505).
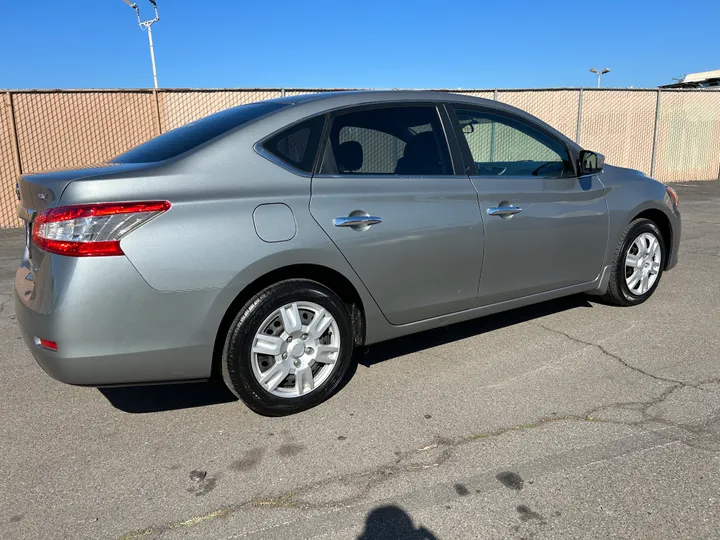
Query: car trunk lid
point(40, 191)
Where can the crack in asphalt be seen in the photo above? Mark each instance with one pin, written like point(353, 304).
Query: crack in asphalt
point(4, 301)
point(701, 253)
point(647, 418)
point(9, 313)
point(643, 407)
point(363, 482)
point(679, 383)
point(603, 350)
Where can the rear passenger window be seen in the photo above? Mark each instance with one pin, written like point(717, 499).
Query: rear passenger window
point(298, 144)
point(403, 141)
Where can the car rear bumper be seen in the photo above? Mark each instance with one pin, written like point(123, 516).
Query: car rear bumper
point(116, 369)
point(110, 326)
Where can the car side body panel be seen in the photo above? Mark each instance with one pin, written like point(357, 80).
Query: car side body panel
point(425, 257)
point(558, 239)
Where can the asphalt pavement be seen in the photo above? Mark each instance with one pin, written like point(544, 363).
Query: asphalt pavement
point(568, 419)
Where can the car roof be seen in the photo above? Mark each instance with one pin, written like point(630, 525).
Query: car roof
point(369, 96)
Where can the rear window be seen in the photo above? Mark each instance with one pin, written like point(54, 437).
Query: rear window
point(180, 140)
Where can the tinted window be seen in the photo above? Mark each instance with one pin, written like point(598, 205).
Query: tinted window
point(298, 144)
point(502, 146)
point(180, 140)
point(405, 141)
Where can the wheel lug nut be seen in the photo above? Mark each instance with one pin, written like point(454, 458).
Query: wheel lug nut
point(304, 336)
point(289, 339)
point(296, 363)
point(284, 355)
point(309, 350)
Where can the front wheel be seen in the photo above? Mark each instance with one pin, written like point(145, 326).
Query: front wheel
point(637, 265)
point(289, 348)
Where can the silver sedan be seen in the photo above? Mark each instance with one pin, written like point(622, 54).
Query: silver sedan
point(265, 243)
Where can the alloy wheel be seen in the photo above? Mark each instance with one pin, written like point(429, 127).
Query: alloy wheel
point(295, 349)
point(642, 263)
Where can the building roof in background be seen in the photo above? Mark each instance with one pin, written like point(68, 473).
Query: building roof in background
point(697, 80)
point(702, 76)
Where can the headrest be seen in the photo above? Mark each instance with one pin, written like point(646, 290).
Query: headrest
point(349, 156)
point(420, 145)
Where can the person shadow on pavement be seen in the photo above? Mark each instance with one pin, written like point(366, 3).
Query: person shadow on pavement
point(393, 523)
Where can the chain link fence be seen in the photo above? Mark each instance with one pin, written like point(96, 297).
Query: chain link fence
point(179, 107)
point(673, 135)
point(687, 145)
point(9, 164)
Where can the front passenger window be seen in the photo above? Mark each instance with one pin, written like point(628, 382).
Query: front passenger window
point(502, 146)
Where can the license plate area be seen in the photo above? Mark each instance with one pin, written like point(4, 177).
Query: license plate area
point(27, 254)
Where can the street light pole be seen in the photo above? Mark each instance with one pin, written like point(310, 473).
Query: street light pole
point(599, 74)
point(147, 25)
point(152, 55)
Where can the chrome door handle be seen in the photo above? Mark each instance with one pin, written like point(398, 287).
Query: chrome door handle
point(356, 221)
point(504, 210)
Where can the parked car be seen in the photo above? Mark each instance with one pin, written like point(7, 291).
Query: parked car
point(266, 242)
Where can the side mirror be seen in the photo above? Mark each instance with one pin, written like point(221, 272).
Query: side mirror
point(591, 162)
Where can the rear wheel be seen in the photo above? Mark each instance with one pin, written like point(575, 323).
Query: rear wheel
point(289, 348)
point(637, 265)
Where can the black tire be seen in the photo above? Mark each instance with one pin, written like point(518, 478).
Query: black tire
point(236, 359)
point(618, 293)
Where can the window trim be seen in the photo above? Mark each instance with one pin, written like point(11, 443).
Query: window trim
point(260, 149)
point(456, 155)
point(465, 147)
point(445, 124)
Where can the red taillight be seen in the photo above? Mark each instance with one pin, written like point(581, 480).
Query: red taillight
point(47, 344)
point(92, 230)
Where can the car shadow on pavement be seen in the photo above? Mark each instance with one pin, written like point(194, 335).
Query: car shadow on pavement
point(393, 523)
point(168, 397)
point(446, 334)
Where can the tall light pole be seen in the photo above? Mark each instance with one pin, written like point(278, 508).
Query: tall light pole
point(147, 25)
point(599, 73)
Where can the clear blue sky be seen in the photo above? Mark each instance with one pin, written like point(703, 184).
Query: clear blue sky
point(336, 43)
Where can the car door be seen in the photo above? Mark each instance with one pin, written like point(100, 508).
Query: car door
point(387, 195)
point(545, 227)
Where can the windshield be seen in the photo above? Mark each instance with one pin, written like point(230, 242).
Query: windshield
point(180, 140)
